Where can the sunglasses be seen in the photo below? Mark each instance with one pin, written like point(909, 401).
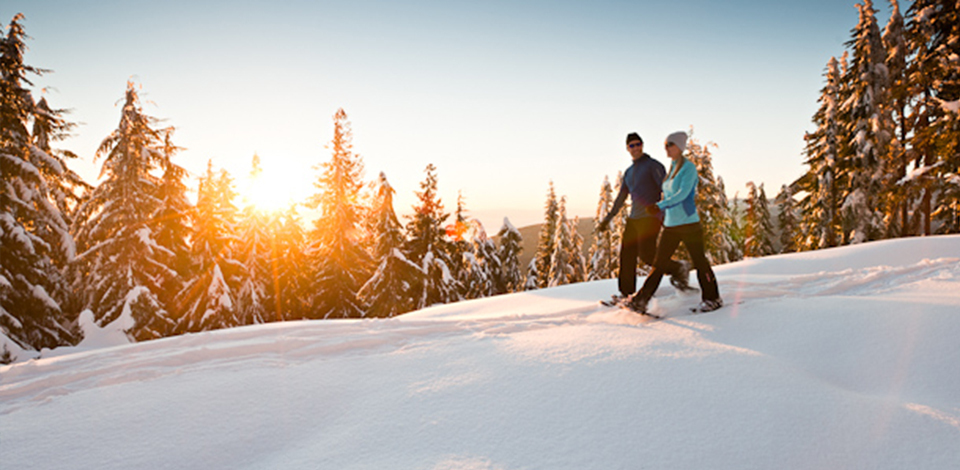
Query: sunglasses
point(635, 145)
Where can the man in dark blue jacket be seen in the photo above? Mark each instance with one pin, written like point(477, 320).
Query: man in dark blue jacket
point(642, 181)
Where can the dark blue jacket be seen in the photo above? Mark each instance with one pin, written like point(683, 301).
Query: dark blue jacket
point(643, 182)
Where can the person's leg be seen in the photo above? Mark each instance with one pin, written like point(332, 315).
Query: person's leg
point(669, 241)
point(693, 240)
point(628, 258)
point(649, 231)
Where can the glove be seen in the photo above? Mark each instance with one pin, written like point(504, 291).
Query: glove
point(653, 210)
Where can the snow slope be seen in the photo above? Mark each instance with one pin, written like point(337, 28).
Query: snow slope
point(842, 358)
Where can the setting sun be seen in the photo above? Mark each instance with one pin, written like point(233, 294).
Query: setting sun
point(271, 189)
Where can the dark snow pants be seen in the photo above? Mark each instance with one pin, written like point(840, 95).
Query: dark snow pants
point(639, 241)
point(692, 237)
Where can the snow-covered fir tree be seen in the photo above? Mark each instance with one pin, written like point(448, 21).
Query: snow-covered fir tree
point(208, 300)
point(564, 261)
point(511, 246)
point(485, 268)
point(895, 43)
point(788, 220)
point(820, 223)
point(293, 287)
point(256, 297)
point(871, 128)
point(172, 222)
point(547, 238)
point(713, 205)
point(461, 250)
point(758, 227)
point(122, 269)
point(532, 281)
point(36, 188)
point(602, 261)
point(933, 36)
point(428, 247)
point(617, 227)
point(341, 263)
point(389, 292)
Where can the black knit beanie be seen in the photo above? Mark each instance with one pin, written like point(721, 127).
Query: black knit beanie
point(633, 136)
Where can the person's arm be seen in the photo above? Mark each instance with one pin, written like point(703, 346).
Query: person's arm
point(688, 182)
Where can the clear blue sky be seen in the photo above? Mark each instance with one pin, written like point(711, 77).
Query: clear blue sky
point(502, 96)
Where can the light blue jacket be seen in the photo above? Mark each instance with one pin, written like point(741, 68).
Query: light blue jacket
point(679, 196)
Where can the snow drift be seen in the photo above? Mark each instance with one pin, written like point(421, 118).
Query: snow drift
point(841, 358)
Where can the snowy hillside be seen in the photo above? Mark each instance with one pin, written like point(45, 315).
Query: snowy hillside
point(842, 358)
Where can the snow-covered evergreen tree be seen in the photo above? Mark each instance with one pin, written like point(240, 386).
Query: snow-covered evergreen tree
point(759, 225)
point(461, 250)
point(172, 222)
point(486, 273)
point(533, 276)
point(290, 261)
point(820, 225)
point(788, 220)
point(897, 195)
point(208, 300)
point(871, 128)
point(427, 246)
point(511, 246)
point(389, 292)
point(933, 36)
point(256, 299)
point(713, 205)
point(122, 268)
point(36, 190)
point(564, 261)
point(342, 265)
point(548, 235)
point(602, 261)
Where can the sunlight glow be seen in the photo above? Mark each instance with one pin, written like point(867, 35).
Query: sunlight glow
point(270, 189)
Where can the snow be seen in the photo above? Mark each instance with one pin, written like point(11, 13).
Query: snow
point(840, 358)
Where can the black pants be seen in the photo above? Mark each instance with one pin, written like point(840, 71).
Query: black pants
point(639, 241)
point(692, 237)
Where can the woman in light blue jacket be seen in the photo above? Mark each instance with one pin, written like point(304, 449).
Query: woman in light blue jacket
point(681, 223)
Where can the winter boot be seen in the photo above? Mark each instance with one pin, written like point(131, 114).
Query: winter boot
point(710, 305)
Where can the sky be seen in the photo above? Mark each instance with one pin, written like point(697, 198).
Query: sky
point(503, 97)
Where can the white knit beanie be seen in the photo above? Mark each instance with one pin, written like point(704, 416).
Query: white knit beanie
point(679, 139)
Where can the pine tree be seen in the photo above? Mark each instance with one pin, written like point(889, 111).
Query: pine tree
point(563, 263)
point(488, 260)
point(389, 292)
point(602, 262)
point(872, 129)
point(337, 251)
point(898, 201)
point(820, 225)
point(290, 264)
point(759, 226)
point(617, 228)
point(36, 189)
point(713, 205)
point(461, 250)
point(788, 220)
point(208, 300)
point(428, 247)
point(172, 221)
point(548, 235)
point(511, 245)
point(933, 35)
point(122, 268)
point(255, 251)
